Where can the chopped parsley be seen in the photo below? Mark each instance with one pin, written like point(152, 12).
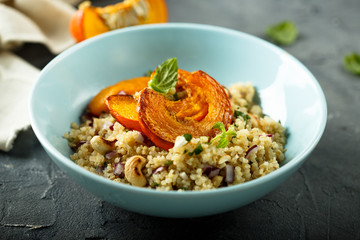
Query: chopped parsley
point(246, 117)
point(187, 137)
point(168, 163)
point(197, 150)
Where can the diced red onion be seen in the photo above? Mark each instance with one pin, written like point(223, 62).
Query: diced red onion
point(229, 173)
point(112, 127)
point(214, 172)
point(159, 169)
point(75, 148)
point(207, 168)
point(250, 150)
point(88, 116)
point(80, 143)
point(99, 169)
point(210, 171)
point(119, 170)
point(110, 155)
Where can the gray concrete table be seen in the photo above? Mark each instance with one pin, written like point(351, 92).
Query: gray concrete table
point(320, 201)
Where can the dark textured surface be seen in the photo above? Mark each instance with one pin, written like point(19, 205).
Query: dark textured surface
point(320, 201)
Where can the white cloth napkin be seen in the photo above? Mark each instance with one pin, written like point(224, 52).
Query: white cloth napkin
point(37, 21)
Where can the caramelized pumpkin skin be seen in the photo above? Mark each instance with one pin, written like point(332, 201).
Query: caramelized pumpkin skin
point(126, 87)
point(205, 104)
point(76, 26)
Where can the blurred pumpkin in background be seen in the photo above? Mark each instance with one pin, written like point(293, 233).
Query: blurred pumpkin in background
point(89, 21)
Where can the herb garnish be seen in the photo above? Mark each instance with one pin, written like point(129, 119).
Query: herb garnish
point(197, 150)
point(352, 63)
point(165, 77)
point(187, 137)
point(246, 117)
point(284, 33)
point(223, 141)
point(168, 163)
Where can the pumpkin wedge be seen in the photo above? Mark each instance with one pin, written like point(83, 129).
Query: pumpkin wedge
point(89, 21)
point(127, 87)
point(205, 103)
point(86, 23)
point(123, 109)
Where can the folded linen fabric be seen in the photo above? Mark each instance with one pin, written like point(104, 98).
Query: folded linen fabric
point(40, 21)
point(36, 21)
point(16, 78)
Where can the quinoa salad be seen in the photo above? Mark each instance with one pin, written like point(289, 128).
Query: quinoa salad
point(254, 150)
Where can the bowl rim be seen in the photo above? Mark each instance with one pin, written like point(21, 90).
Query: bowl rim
point(292, 163)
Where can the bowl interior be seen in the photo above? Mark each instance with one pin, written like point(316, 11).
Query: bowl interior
point(287, 90)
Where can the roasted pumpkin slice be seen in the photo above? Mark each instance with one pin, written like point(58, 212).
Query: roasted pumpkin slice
point(90, 21)
point(192, 104)
point(205, 103)
point(127, 87)
point(123, 109)
point(87, 23)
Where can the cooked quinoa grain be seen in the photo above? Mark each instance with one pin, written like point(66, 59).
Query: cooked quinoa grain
point(254, 150)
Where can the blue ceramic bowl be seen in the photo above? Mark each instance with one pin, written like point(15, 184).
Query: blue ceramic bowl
point(288, 92)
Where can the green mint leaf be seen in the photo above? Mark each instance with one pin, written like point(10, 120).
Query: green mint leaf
point(187, 137)
point(352, 63)
point(284, 33)
point(215, 138)
point(220, 126)
point(165, 77)
point(197, 150)
point(231, 133)
point(223, 142)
